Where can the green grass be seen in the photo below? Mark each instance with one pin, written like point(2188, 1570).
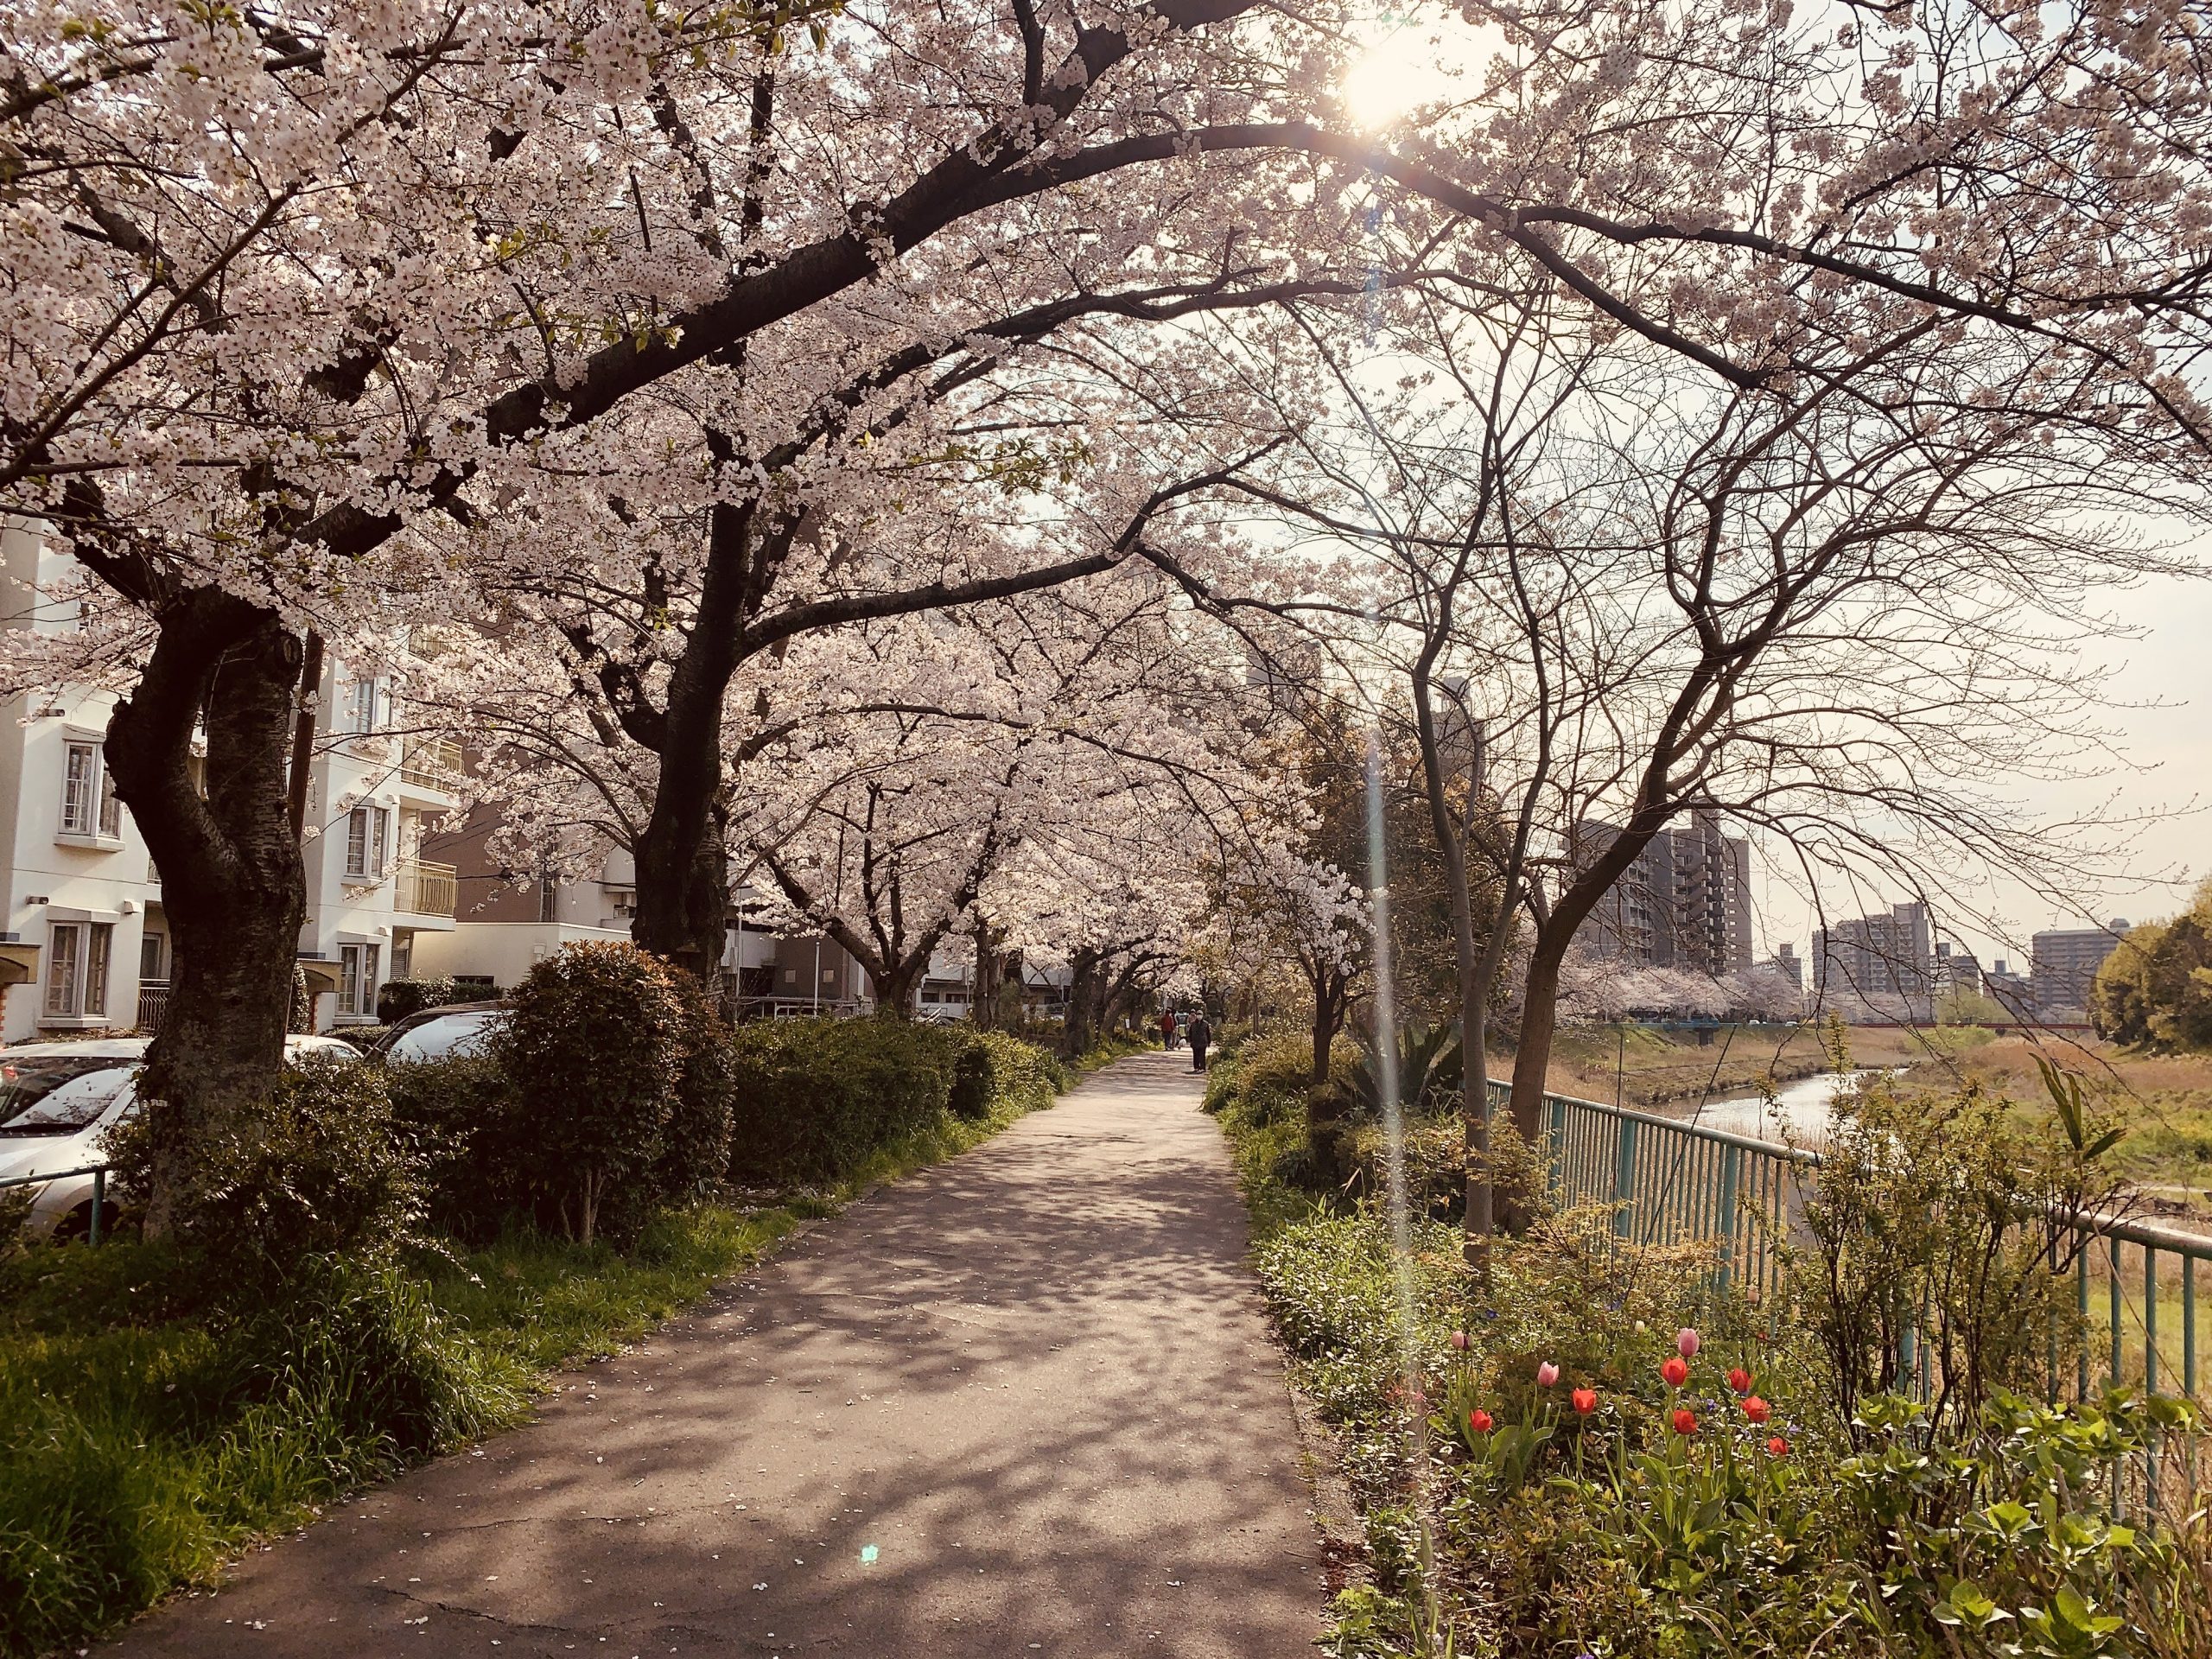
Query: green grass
point(147, 1434)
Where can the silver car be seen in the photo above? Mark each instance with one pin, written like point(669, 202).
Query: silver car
point(59, 1100)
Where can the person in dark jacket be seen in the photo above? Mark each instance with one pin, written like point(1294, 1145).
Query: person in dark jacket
point(1200, 1034)
point(1167, 1030)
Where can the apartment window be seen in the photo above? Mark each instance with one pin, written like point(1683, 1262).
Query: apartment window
point(150, 950)
point(357, 979)
point(77, 968)
point(90, 805)
point(370, 703)
point(80, 789)
point(367, 828)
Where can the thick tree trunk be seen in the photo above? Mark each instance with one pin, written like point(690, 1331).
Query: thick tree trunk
point(683, 896)
point(232, 887)
point(983, 1000)
point(683, 865)
point(1084, 989)
point(1533, 1053)
point(894, 987)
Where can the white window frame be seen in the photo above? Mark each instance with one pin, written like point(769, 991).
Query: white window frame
point(368, 835)
point(80, 971)
point(371, 696)
point(358, 981)
point(91, 809)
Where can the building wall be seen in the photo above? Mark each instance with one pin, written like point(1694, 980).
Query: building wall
point(502, 951)
point(1685, 902)
point(2063, 962)
point(90, 881)
point(1877, 967)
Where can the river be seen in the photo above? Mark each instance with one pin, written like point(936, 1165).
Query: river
point(1800, 1113)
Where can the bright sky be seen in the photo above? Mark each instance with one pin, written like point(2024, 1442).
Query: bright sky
point(2162, 678)
point(2169, 749)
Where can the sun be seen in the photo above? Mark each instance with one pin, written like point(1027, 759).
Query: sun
point(1405, 67)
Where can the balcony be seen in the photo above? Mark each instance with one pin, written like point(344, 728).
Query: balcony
point(423, 888)
point(432, 764)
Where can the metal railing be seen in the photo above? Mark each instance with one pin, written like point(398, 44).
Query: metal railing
point(98, 1171)
point(433, 764)
point(153, 1005)
point(2136, 1281)
point(426, 889)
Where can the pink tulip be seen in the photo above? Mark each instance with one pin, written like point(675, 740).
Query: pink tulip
point(1686, 1342)
point(1459, 1339)
point(1547, 1374)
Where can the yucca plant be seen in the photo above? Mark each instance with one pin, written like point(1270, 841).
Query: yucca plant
point(1429, 1061)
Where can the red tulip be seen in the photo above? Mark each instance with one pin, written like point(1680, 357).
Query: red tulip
point(1547, 1374)
point(1686, 1342)
point(1685, 1420)
point(1479, 1421)
point(1778, 1446)
point(1676, 1372)
point(1740, 1380)
point(1586, 1401)
point(1757, 1409)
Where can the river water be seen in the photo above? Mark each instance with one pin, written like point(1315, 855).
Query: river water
point(1801, 1114)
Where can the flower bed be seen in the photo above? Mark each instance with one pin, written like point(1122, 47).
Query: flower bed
point(1604, 1454)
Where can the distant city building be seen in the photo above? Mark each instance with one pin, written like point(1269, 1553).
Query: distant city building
point(2010, 991)
point(2063, 961)
point(1957, 973)
point(1685, 902)
point(1789, 965)
point(1877, 968)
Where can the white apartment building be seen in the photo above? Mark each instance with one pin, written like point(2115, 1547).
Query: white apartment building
point(83, 947)
point(373, 794)
point(81, 909)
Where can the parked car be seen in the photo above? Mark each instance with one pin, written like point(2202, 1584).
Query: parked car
point(59, 1100)
point(438, 1034)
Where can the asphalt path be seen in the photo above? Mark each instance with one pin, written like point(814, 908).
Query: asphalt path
point(1023, 1402)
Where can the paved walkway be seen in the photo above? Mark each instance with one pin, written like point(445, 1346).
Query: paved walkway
point(1021, 1404)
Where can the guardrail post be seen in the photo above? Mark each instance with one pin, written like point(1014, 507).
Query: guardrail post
point(1623, 1175)
point(100, 1201)
point(1731, 1172)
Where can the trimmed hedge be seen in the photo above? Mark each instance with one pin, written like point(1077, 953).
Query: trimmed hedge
point(814, 1099)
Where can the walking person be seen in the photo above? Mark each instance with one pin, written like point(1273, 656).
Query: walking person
point(1167, 1029)
point(1200, 1034)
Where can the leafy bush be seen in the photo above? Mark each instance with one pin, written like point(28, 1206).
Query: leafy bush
point(814, 1099)
point(1597, 1526)
point(398, 998)
point(595, 1044)
point(694, 1155)
point(1940, 1218)
point(815, 1096)
point(316, 1169)
point(463, 1120)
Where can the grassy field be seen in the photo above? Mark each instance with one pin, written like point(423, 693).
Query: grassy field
point(149, 1431)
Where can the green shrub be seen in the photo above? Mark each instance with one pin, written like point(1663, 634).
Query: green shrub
point(974, 1081)
point(316, 1169)
point(595, 1044)
point(398, 998)
point(464, 1121)
point(1940, 1216)
point(814, 1097)
point(694, 1155)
